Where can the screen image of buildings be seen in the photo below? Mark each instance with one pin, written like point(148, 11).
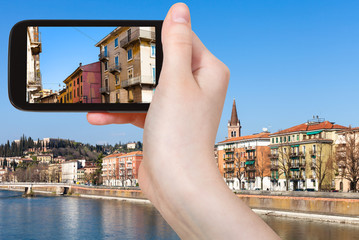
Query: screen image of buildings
point(124, 73)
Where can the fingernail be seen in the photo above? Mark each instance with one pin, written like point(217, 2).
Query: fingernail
point(180, 13)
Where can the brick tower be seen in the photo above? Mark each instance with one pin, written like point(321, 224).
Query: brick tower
point(234, 126)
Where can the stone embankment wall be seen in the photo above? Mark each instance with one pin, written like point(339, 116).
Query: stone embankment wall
point(346, 204)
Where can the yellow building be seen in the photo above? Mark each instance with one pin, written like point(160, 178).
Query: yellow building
point(128, 68)
point(303, 156)
point(69, 88)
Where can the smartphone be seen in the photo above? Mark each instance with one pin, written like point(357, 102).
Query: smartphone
point(84, 65)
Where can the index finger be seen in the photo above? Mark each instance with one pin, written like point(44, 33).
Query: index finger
point(105, 118)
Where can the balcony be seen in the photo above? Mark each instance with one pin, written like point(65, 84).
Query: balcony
point(274, 155)
point(103, 56)
point(136, 35)
point(295, 177)
point(129, 167)
point(228, 149)
point(251, 158)
point(229, 159)
point(105, 90)
point(274, 166)
point(115, 69)
point(129, 173)
point(228, 168)
point(294, 165)
point(35, 45)
point(138, 81)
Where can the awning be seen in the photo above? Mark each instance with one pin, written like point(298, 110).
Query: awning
point(295, 169)
point(273, 147)
point(250, 162)
point(295, 146)
point(314, 132)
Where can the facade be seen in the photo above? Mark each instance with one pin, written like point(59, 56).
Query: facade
point(347, 147)
point(55, 173)
point(243, 160)
point(80, 176)
point(131, 145)
point(128, 69)
point(69, 170)
point(45, 158)
point(50, 98)
point(82, 86)
point(33, 77)
point(110, 170)
point(304, 155)
point(121, 169)
point(244, 163)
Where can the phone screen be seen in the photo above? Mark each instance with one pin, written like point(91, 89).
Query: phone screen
point(86, 65)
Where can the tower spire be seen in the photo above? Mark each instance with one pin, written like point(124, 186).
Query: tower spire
point(234, 125)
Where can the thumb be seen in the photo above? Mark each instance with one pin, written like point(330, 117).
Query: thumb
point(177, 40)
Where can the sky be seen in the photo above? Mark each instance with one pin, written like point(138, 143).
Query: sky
point(289, 60)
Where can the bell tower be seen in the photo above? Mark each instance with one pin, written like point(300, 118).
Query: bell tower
point(234, 126)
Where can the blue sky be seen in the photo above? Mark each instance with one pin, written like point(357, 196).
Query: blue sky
point(289, 60)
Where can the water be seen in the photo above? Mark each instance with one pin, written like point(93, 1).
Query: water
point(45, 217)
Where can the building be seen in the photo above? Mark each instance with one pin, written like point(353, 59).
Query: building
point(44, 158)
point(55, 172)
point(62, 97)
point(243, 160)
point(347, 157)
point(303, 156)
point(110, 170)
point(131, 145)
point(129, 165)
point(121, 169)
point(80, 176)
point(50, 98)
point(69, 170)
point(128, 65)
point(244, 163)
point(33, 75)
point(82, 86)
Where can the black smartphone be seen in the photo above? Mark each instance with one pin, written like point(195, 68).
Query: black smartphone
point(84, 65)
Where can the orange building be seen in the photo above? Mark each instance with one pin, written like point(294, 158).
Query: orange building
point(243, 160)
point(121, 169)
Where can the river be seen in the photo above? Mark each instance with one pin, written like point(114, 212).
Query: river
point(45, 217)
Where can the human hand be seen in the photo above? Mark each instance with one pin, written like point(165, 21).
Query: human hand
point(178, 173)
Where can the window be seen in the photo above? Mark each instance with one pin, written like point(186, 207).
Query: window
point(74, 83)
point(116, 42)
point(81, 78)
point(117, 79)
point(117, 98)
point(105, 51)
point(105, 66)
point(276, 140)
point(81, 90)
point(288, 138)
point(297, 137)
point(303, 149)
point(70, 84)
point(130, 95)
point(285, 139)
point(281, 139)
point(74, 93)
point(70, 95)
point(78, 81)
point(153, 50)
point(116, 60)
point(272, 140)
point(78, 92)
point(130, 73)
point(129, 54)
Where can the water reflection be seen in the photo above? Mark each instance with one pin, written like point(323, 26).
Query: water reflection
point(80, 218)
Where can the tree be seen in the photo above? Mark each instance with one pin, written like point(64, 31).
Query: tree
point(262, 167)
point(284, 163)
point(347, 157)
point(322, 163)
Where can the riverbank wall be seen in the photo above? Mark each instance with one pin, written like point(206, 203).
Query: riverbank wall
point(327, 203)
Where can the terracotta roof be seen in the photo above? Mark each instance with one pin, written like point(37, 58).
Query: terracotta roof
point(114, 155)
point(234, 117)
point(310, 127)
point(124, 154)
point(254, 136)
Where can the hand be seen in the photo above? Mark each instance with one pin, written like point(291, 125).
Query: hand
point(178, 173)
